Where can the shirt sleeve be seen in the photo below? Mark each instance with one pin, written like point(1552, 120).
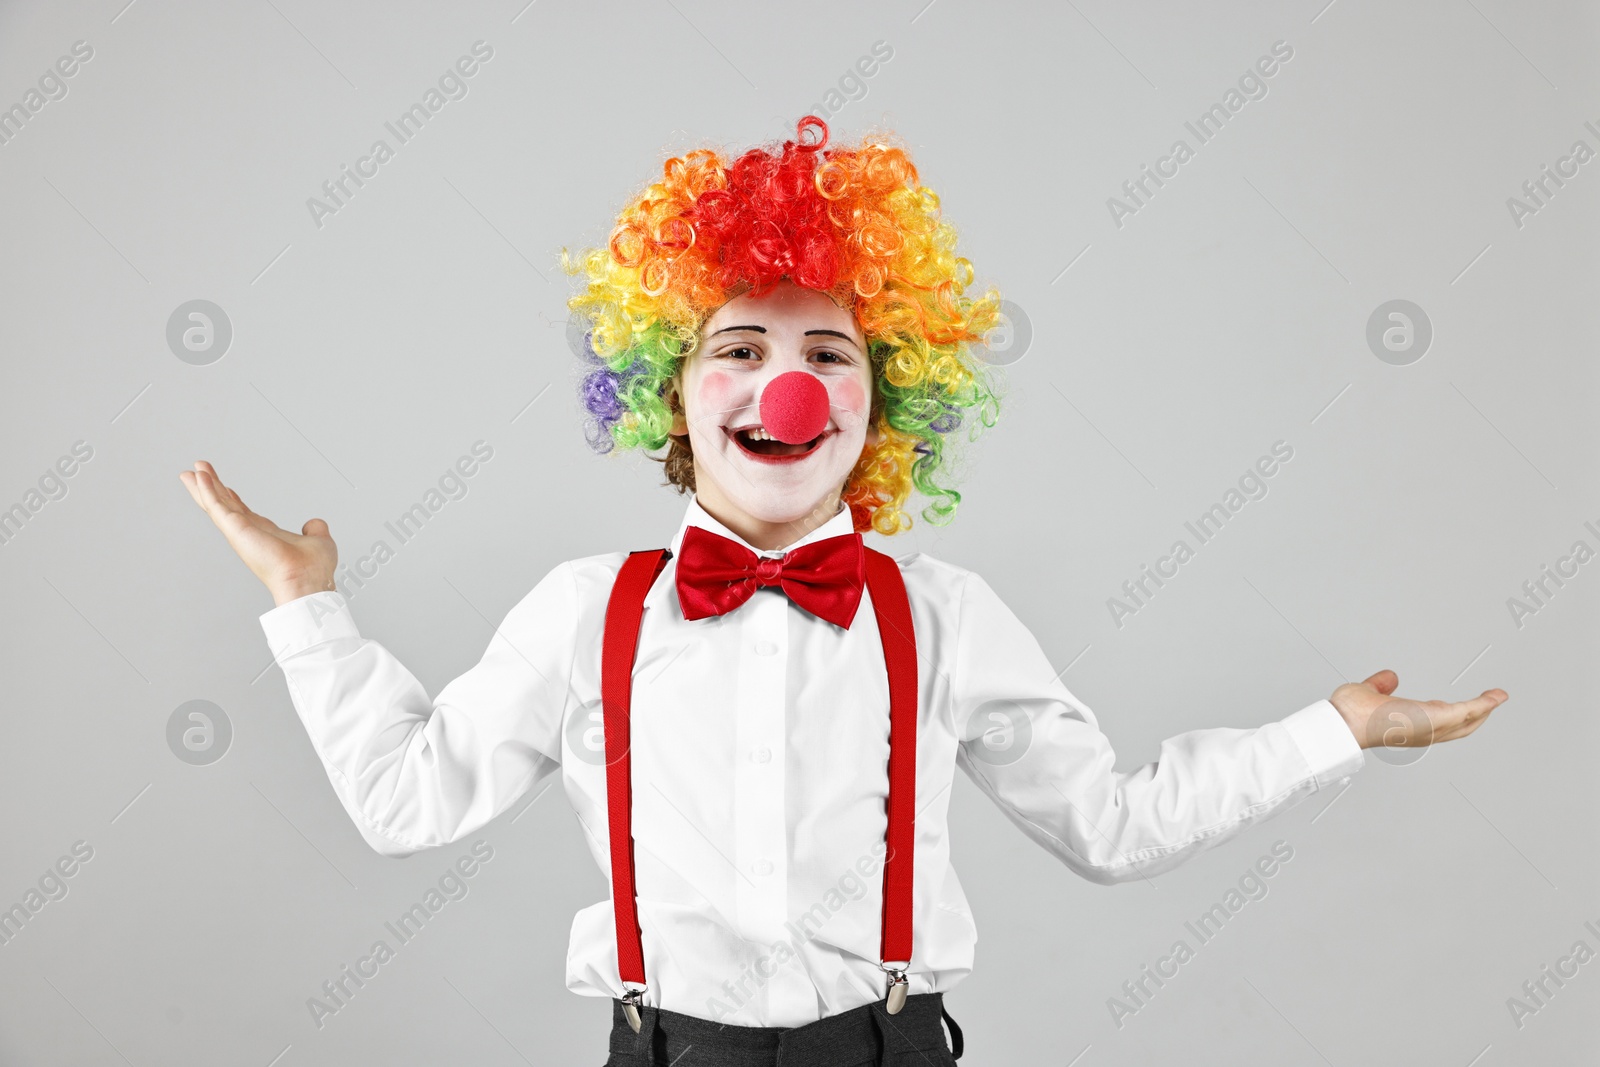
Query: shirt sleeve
point(1037, 752)
point(414, 772)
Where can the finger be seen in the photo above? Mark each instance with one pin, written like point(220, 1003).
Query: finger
point(238, 502)
point(197, 487)
point(1477, 709)
point(226, 491)
point(215, 503)
point(1385, 681)
point(191, 483)
point(1458, 719)
point(207, 467)
point(315, 528)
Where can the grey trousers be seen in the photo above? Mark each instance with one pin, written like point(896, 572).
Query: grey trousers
point(867, 1036)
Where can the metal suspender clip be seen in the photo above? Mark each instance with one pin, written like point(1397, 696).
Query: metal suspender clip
point(897, 985)
point(630, 1007)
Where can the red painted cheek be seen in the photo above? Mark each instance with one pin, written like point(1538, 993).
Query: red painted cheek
point(849, 395)
point(716, 388)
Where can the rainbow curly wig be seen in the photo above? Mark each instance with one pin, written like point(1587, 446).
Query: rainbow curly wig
point(852, 222)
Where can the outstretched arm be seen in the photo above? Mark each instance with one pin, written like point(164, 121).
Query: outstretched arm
point(1376, 717)
point(412, 772)
point(1038, 752)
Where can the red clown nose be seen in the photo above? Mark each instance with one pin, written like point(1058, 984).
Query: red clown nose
point(794, 407)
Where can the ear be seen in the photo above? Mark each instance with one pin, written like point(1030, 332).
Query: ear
point(680, 422)
point(874, 415)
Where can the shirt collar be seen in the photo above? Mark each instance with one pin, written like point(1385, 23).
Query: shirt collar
point(695, 515)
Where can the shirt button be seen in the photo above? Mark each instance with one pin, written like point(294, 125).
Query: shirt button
point(763, 867)
point(765, 648)
point(762, 754)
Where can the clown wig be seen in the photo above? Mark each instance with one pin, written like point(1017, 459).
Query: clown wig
point(852, 222)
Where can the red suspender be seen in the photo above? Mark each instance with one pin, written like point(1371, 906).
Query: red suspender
point(624, 612)
point(893, 609)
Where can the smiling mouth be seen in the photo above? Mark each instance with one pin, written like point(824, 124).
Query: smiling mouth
point(773, 450)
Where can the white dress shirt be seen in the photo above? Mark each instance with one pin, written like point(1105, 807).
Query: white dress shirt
point(760, 740)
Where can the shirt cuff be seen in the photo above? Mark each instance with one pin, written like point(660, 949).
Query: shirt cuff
point(1326, 743)
point(307, 621)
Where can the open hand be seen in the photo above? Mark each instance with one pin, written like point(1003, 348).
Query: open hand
point(1378, 718)
point(290, 565)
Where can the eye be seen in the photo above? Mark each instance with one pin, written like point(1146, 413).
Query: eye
point(743, 352)
point(829, 356)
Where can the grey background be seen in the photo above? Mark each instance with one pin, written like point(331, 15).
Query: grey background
point(1229, 313)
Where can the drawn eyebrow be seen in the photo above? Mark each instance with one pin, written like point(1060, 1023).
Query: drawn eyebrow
point(831, 333)
point(809, 333)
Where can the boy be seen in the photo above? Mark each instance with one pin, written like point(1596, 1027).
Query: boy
point(758, 727)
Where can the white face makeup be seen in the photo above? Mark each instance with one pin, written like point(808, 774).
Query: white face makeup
point(760, 485)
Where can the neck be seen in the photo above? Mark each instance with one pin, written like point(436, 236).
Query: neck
point(766, 535)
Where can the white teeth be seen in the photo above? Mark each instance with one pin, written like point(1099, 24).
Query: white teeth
point(758, 434)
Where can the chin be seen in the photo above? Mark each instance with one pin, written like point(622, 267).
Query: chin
point(778, 508)
point(777, 499)
point(779, 493)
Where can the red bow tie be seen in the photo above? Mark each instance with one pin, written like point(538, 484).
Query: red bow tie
point(716, 575)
